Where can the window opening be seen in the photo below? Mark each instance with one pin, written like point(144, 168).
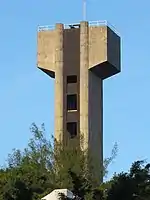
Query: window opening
point(72, 129)
point(72, 79)
point(71, 102)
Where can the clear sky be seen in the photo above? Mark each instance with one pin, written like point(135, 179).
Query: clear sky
point(27, 94)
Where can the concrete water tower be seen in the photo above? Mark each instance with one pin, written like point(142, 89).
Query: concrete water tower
point(79, 57)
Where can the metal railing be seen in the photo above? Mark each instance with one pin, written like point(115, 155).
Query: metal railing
point(104, 23)
point(91, 23)
point(46, 28)
point(98, 23)
point(113, 28)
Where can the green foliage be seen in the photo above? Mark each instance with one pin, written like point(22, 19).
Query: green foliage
point(38, 169)
point(108, 161)
point(28, 172)
point(134, 185)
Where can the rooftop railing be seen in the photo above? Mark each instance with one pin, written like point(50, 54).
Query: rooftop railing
point(91, 23)
point(46, 28)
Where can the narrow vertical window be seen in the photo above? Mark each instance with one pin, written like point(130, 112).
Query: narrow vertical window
point(71, 102)
point(72, 129)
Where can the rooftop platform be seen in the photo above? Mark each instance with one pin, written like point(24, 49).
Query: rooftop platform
point(77, 25)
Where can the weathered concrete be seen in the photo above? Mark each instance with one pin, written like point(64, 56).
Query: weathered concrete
point(96, 121)
point(84, 82)
point(46, 51)
point(92, 53)
point(59, 83)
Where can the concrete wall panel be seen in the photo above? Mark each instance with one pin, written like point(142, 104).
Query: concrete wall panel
point(46, 45)
point(97, 45)
point(84, 63)
point(113, 49)
point(59, 84)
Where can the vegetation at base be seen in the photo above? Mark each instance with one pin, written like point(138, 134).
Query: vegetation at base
point(134, 185)
point(38, 169)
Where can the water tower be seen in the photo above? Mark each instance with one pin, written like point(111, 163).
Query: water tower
point(79, 57)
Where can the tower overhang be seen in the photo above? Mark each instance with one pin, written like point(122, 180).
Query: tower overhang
point(104, 51)
point(104, 48)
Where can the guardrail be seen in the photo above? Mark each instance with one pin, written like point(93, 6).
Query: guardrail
point(113, 28)
point(46, 28)
point(91, 23)
point(104, 23)
point(98, 23)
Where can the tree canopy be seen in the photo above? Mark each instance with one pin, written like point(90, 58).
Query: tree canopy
point(38, 169)
point(132, 185)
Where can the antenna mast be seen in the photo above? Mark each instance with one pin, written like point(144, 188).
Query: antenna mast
point(84, 10)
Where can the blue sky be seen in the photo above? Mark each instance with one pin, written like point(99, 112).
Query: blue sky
point(27, 94)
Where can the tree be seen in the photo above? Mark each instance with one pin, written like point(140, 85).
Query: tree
point(38, 169)
point(134, 185)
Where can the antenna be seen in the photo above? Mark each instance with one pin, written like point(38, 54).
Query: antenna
point(84, 10)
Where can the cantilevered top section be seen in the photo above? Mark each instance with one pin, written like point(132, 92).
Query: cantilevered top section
point(103, 47)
